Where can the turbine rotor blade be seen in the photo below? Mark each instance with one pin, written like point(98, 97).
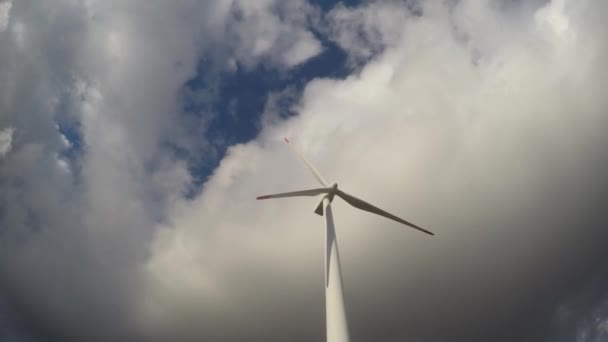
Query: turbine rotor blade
point(308, 164)
point(361, 204)
point(310, 192)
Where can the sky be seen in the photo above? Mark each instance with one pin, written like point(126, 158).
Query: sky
point(135, 136)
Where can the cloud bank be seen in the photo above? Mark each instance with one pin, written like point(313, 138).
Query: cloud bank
point(481, 120)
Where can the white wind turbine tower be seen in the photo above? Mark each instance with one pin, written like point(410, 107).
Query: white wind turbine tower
point(335, 316)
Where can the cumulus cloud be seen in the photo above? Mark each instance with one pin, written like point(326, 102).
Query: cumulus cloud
point(488, 132)
point(273, 32)
point(470, 137)
point(110, 72)
point(369, 29)
point(304, 49)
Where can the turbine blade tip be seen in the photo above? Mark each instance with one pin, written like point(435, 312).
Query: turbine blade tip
point(286, 140)
point(425, 231)
point(262, 197)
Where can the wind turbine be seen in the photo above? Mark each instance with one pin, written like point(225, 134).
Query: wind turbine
point(335, 316)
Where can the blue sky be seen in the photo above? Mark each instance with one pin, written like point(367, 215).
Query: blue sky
point(241, 95)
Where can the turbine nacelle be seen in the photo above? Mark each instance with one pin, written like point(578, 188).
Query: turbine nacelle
point(331, 192)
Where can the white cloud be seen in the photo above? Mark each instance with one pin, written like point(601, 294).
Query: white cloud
point(6, 141)
point(553, 20)
point(493, 142)
point(304, 48)
point(111, 71)
point(273, 31)
point(470, 138)
point(369, 29)
point(5, 14)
